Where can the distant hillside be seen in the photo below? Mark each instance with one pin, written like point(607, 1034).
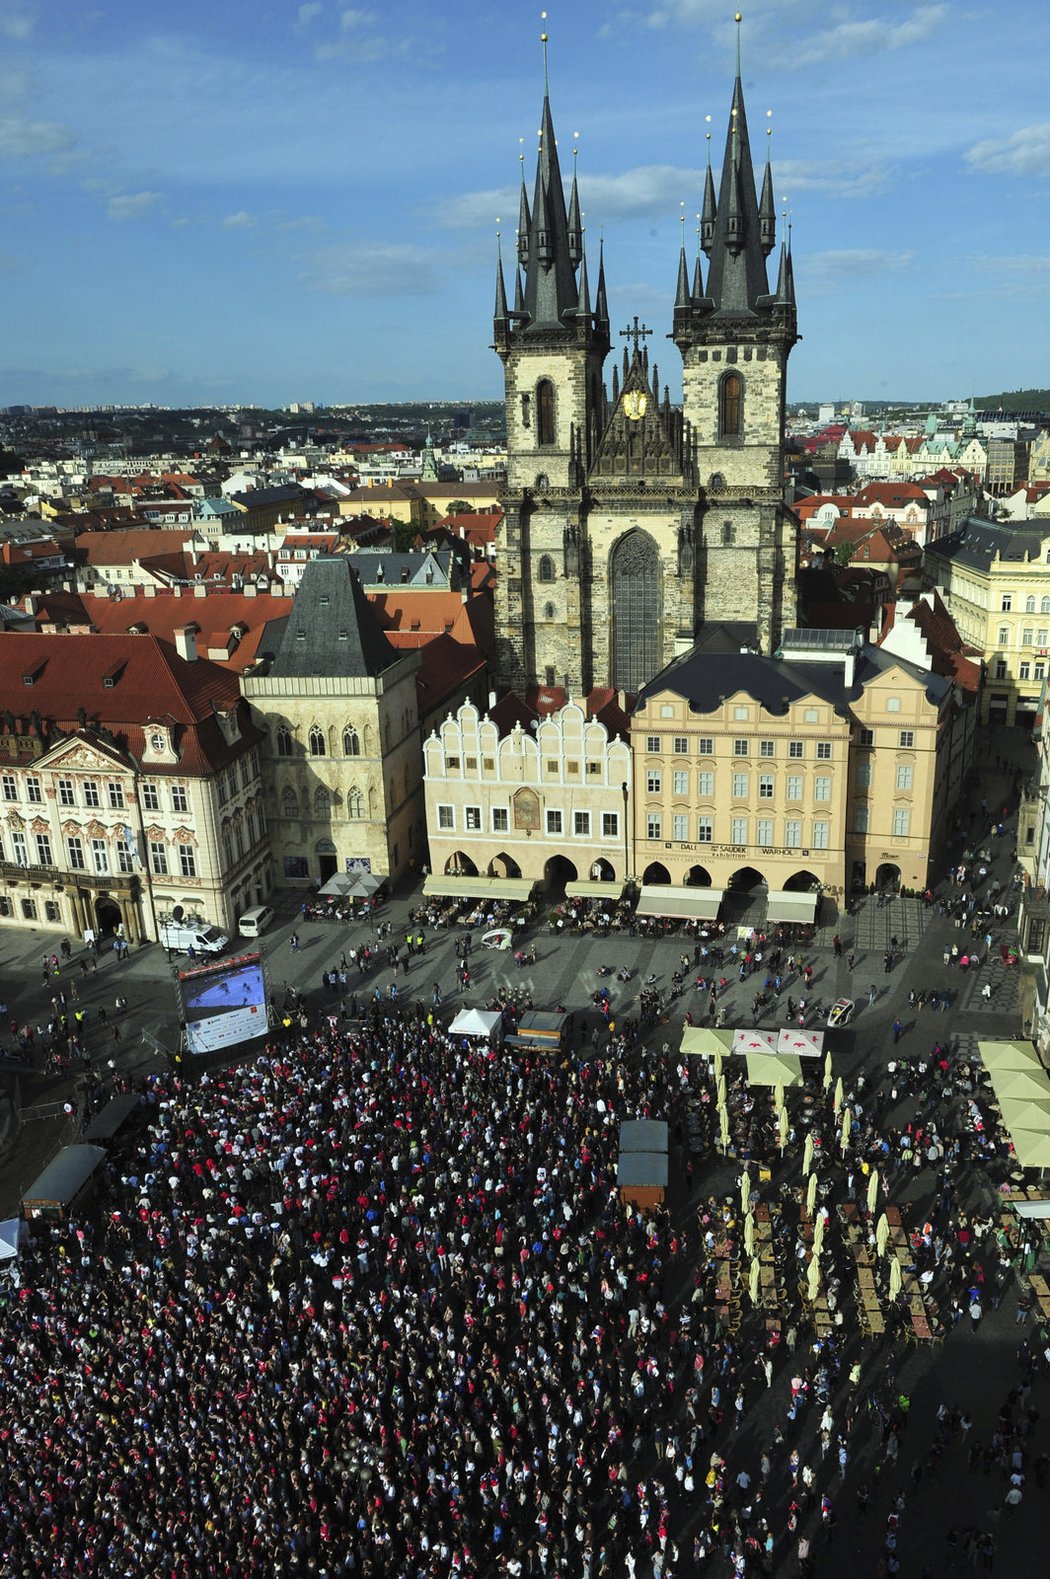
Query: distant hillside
point(1015, 400)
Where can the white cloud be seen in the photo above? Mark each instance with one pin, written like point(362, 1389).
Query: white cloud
point(372, 268)
point(1026, 152)
point(307, 13)
point(875, 34)
point(22, 138)
point(849, 262)
point(656, 189)
point(351, 20)
point(799, 32)
point(129, 205)
point(1031, 263)
point(242, 220)
point(16, 21)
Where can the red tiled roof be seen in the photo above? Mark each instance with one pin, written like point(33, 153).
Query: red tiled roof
point(124, 548)
point(151, 682)
point(446, 666)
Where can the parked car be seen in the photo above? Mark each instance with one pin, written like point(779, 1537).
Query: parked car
point(840, 1013)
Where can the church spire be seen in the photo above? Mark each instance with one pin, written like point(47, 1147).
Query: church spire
point(767, 212)
point(583, 301)
point(551, 292)
point(499, 315)
point(737, 281)
point(601, 305)
point(575, 227)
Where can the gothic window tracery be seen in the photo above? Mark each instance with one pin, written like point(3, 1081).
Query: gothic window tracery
point(545, 412)
point(635, 578)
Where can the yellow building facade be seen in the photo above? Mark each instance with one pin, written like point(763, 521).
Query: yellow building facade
point(995, 579)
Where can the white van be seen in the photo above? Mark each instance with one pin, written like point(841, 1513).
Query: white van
point(182, 936)
point(255, 921)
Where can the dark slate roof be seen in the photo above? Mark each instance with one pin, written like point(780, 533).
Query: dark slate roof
point(706, 677)
point(261, 498)
point(331, 630)
point(977, 542)
point(66, 1174)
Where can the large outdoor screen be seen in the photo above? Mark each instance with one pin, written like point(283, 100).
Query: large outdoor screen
point(224, 1003)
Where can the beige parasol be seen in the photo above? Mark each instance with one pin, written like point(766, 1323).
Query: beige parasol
point(811, 1194)
point(749, 1235)
point(827, 1071)
point(717, 1062)
point(754, 1281)
point(818, 1233)
point(873, 1189)
point(783, 1133)
point(813, 1279)
point(745, 1192)
point(882, 1234)
point(720, 1091)
point(847, 1122)
point(807, 1154)
point(723, 1128)
point(836, 1103)
point(895, 1278)
point(778, 1096)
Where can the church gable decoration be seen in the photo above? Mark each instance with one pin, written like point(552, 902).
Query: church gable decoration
point(641, 439)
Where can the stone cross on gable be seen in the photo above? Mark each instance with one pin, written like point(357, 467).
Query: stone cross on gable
point(635, 332)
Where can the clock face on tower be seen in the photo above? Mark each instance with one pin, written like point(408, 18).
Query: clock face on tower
point(635, 403)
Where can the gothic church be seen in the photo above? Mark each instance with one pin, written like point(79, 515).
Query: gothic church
point(630, 523)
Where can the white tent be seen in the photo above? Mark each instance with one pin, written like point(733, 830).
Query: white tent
point(337, 886)
point(764, 1042)
point(803, 1044)
point(10, 1235)
point(480, 1023)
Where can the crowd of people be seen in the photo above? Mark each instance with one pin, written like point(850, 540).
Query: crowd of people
point(372, 1304)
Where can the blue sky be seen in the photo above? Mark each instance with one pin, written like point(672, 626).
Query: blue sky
point(267, 201)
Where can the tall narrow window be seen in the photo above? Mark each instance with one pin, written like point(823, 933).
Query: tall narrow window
point(546, 568)
point(316, 742)
point(731, 406)
point(545, 411)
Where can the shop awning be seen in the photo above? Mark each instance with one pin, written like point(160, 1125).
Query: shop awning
point(593, 890)
point(680, 904)
point(706, 1040)
point(801, 1044)
point(1009, 1055)
point(1032, 1147)
point(781, 1070)
point(513, 888)
point(763, 1042)
point(785, 904)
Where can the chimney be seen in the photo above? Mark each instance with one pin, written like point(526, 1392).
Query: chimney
point(186, 643)
point(849, 670)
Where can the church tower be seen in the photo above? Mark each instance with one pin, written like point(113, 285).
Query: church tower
point(629, 523)
point(552, 343)
point(735, 335)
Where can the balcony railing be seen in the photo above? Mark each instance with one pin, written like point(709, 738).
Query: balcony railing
point(57, 876)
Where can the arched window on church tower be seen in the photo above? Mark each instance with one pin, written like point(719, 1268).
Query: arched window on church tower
point(545, 411)
point(546, 568)
point(731, 406)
